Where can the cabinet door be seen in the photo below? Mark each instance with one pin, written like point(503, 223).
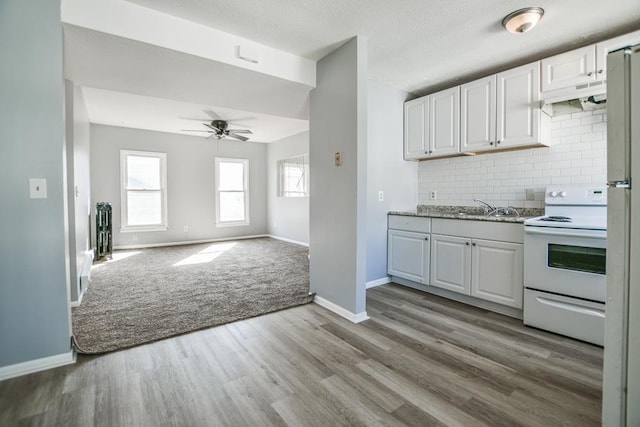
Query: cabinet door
point(518, 106)
point(569, 69)
point(497, 272)
point(415, 136)
point(444, 122)
point(478, 115)
point(408, 255)
point(603, 49)
point(451, 263)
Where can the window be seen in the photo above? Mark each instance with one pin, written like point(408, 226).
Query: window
point(143, 181)
point(293, 176)
point(232, 192)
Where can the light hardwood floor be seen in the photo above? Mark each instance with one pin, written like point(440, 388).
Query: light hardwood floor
point(420, 360)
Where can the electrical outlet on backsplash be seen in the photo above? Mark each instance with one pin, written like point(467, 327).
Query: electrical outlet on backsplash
point(577, 154)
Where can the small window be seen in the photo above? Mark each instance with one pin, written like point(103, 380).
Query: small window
point(232, 192)
point(293, 176)
point(143, 180)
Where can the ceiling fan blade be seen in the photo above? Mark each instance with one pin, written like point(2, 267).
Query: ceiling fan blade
point(195, 130)
point(239, 131)
point(212, 127)
point(240, 137)
point(212, 114)
point(206, 119)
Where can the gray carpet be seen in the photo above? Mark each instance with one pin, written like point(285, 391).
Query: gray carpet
point(149, 294)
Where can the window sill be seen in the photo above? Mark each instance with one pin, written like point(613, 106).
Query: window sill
point(143, 229)
point(232, 224)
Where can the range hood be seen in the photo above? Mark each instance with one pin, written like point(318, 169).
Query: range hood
point(585, 97)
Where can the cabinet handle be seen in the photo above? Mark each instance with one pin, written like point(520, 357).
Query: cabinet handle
point(600, 71)
point(497, 142)
point(590, 73)
point(427, 152)
point(430, 151)
point(473, 244)
point(426, 238)
point(491, 143)
point(466, 243)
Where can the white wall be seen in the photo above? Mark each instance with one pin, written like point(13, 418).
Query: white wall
point(34, 257)
point(577, 154)
point(337, 223)
point(78, 182)
point(386, 172)
point(288, 217)
point(190, 176)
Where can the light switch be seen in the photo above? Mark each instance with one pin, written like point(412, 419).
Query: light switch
point(380, 196)
point(38, 188)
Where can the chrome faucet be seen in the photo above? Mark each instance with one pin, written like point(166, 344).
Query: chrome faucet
point(487, 207)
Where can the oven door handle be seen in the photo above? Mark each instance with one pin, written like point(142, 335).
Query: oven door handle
point(590, 234)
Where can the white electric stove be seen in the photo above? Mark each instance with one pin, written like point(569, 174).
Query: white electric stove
point(565, 263)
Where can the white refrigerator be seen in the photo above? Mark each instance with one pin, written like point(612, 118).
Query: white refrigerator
point(621, 382)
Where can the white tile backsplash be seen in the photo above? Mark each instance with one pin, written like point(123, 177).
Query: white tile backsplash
point(576, 155)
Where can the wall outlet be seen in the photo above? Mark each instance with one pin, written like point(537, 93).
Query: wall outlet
point(433, 195)
point(185, 228)
point(530, 194)
point(381, 196)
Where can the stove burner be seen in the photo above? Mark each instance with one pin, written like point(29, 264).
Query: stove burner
point(556, 219)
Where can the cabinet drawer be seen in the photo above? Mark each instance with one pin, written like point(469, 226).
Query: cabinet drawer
point(501, 231)
point(410, 223)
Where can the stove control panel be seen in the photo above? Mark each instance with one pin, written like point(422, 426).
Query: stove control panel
point(576, 195)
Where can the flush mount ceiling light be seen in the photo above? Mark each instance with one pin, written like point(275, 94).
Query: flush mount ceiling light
point(522, 20)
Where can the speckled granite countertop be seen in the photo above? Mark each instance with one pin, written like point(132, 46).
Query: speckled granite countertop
point(468, 213)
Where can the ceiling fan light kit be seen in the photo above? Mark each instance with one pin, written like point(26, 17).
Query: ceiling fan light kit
point(522, 20)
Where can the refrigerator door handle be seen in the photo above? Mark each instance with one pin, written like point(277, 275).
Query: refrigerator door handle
point(625, 184)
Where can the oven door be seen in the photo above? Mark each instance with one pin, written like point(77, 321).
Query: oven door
point(566, 261)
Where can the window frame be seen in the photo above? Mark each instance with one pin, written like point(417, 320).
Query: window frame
point(245, 170)
point(280, 191)
point(124, 178)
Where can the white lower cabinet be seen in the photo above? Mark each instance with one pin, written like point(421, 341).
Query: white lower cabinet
point(408, 248)
point(497, 272)
point(450, 263)
point(459, 256)
point(408, 255)
point(468, 262)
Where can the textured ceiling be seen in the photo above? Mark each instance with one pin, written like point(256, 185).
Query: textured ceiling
point(414, 45)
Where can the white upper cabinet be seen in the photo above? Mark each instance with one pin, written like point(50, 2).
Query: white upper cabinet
point(415, 121)
point(582, 66)
point(518, 107)
point(432, 125)
point(502, 111)
point(569, 69)
point(444, 122)
point(478, 114)
point(603, 49)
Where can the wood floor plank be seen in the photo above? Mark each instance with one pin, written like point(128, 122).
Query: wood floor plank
point(420, 360)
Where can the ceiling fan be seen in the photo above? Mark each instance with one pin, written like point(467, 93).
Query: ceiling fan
point(219, 129)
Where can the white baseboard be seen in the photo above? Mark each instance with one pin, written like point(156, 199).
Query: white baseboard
point(284, 239)
point(77, 303)
point(378, 282)
point(37, 365)
point(353, 317)
point(188, 242)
